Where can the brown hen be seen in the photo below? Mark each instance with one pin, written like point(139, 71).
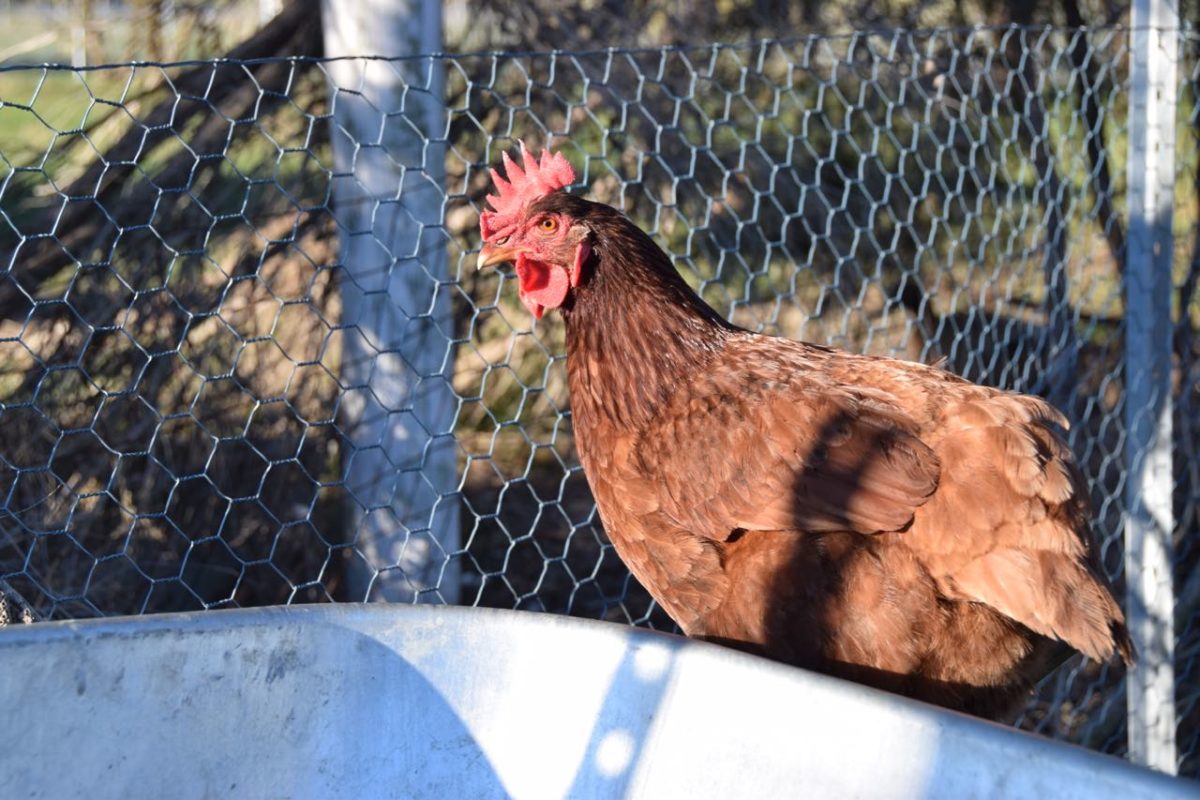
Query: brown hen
point(870, 518)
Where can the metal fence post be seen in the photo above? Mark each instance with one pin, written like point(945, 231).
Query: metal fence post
point(1149, 521)
point(399, 407)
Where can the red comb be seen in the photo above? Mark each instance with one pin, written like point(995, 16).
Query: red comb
point(521, 186)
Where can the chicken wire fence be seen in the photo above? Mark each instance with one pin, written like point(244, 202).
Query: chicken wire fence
point(245, 358)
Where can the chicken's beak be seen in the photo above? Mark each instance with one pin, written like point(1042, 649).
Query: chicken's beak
point(491, 255)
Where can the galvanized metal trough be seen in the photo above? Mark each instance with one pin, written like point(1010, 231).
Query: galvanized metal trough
point(424, 702)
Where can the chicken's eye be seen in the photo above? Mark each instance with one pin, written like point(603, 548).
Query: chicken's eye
point(548, 224)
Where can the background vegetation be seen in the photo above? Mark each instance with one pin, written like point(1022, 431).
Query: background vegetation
point(169, 340)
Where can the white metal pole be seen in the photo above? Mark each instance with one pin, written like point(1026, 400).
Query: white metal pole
point(1149, 521)
point(398, 407)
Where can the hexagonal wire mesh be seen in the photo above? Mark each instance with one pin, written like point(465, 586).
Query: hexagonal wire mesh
point(188, 365)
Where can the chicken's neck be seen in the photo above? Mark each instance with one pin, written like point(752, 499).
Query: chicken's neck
point(635, 332)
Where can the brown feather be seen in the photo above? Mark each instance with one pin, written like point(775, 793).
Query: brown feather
point(876, 519)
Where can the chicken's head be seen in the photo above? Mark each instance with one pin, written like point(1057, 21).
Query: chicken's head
point(549, 249)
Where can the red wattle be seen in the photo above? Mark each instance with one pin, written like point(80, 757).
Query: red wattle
point(542, 285)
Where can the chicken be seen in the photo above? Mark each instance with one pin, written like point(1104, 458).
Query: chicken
point(875, 519)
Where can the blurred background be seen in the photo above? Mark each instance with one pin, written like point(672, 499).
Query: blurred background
point(96, 32)
point(244, 359)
